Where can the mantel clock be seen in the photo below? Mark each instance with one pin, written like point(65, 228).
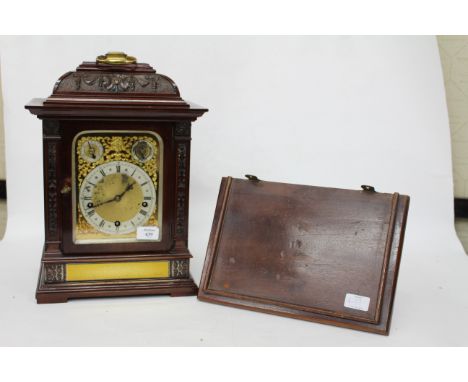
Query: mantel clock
point(116, 143)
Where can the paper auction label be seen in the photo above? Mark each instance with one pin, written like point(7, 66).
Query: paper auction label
point(147, 233)
point(355, 301)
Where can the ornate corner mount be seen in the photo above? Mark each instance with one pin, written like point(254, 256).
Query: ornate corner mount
point(180, 269)
point(54, 273)
point(50, 128)
point(182, 129)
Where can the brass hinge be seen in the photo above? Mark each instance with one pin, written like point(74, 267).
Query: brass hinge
point(368, 188)
point(252, 178)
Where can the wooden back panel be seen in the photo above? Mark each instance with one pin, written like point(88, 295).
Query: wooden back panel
point(302, 248)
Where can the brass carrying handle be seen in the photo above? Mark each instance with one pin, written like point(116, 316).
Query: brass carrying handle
point(116, 58)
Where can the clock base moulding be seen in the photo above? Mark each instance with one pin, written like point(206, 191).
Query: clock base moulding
point(112, 276)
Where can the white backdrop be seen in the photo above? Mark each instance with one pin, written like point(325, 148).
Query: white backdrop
point(327, 111)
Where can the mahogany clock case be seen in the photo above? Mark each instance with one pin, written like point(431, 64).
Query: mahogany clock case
point(114, 94)
point(313, 253)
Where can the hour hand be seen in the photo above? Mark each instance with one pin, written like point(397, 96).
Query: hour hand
point(116, 198)
point(128, 188)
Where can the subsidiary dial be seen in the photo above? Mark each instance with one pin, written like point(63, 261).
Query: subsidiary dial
point(91, 151)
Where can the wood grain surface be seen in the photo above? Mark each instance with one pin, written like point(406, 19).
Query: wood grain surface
point(299, 250)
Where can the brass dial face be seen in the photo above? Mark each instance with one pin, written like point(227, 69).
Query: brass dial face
point(117, 186)
point(117, 197)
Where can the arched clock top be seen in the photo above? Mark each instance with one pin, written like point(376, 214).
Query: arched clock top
point(115, 85)
point(115, 72)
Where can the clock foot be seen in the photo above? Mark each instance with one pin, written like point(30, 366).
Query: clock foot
point(50, 298)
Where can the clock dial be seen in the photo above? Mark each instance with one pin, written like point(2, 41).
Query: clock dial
point(142, 151)
point(91, 151)
point(117, 186)
point(117, 197)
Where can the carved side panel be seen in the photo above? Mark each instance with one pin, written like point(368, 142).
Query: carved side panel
point(51, 149)
point(182, 138)
point(54, 273)
point(52, 211)
point(181, 188)
point(180, 269)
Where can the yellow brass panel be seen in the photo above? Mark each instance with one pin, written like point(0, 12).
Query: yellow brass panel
point(117, 271)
